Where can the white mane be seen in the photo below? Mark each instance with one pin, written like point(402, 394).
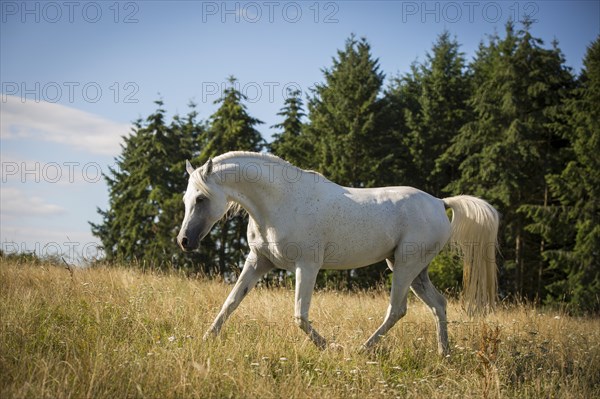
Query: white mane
point(249, 154)
point(199, 178)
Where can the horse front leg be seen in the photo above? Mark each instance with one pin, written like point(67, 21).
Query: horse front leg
point(255, 267)
point(306, 276)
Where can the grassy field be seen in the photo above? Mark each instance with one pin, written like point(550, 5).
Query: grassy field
point(117, 333)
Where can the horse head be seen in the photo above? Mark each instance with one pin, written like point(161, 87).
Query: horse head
point(205, 204)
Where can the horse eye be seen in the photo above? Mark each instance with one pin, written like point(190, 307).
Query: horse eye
point(199, 200)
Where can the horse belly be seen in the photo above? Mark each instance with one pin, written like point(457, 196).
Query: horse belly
point(343, 255)
point(356, 243)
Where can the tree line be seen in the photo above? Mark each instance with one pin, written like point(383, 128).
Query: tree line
point(515, 126)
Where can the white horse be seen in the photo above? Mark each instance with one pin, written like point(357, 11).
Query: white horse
point(301, 222)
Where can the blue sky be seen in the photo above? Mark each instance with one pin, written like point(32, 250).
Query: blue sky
point(74, 75)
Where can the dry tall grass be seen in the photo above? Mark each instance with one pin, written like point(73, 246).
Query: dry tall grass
point(117, 333)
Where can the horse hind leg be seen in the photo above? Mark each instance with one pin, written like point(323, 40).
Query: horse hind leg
point(408, 263)
point(424, 289)
point(402, 276)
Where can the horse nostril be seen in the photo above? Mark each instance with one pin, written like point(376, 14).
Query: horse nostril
point(184, 242)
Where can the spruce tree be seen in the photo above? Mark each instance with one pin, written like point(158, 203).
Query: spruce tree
point(231, 127)
point(442, 111)
point(504, 154)
point(291, 143)
point(146, 182)
point(401, 98)
point(111, 231)
point(570, 222)
point(345, 115)
point(128, 230)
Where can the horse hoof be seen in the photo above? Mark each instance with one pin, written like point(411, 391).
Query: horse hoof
point(336, 347)
point(365, 349)
point(208, 335)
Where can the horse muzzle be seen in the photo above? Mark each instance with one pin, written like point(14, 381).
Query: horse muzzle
point(189, 239)
point(184, 243)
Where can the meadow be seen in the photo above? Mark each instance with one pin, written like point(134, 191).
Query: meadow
point(114, 332)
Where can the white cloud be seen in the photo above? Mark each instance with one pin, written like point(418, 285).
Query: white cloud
point(44, 121)
point(15, 203)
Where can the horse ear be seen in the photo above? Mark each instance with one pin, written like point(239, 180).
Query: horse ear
point(208, 167)
point(188, 167)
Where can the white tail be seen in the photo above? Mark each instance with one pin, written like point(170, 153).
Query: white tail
point(474, 233)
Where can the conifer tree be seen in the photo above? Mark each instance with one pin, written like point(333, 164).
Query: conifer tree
point(132, 212)
point(506, 151)
point(111, 231)
point(291, 143)
point(231, 127)
point(140, 222)
point(345, 115)
point(442, 111)
point(570, 222)
point(401, 98)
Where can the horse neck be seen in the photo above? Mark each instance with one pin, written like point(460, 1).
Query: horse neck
point(250, 183)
